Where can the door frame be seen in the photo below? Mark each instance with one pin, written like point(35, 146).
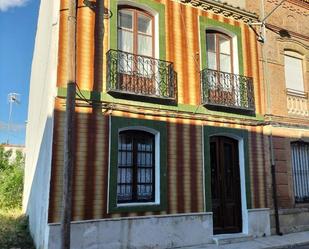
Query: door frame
point(241, 136)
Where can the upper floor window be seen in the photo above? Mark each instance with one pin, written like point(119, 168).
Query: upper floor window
point(136, 167)
point(135, 31)
point(293, 66)
point(219, 51)
point(135, 65)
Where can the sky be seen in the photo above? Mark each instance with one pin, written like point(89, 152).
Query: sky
point(18, 21)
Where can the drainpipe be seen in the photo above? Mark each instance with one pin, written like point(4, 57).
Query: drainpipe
point(274, 184)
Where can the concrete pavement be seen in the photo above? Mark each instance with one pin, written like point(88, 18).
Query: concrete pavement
point(292, 240)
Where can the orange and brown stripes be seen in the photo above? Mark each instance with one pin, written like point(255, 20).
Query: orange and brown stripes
point(105, 46)
point(99, 164)
point(90, 160)
point(183, 49)
point(63, 48)
point(176, 31)
point(105, 164)
point(254, 170)
point(179, 169)
point(194, 168)
point(248, 60)
point(85, 48)
point(264, 164)
point(172, 166)
point(256, 73)
point(196, 51)
point(80, 170)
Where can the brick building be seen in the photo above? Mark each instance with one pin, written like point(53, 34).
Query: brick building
point(284, 62)
point(177, 106)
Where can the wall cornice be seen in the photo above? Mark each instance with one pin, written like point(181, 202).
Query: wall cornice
point(297, 6)
point(223, 9)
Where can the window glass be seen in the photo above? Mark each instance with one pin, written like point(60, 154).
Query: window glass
point(125, 41)
point(225, 63)
point(144, 45)
point(212, 60)
point(136, 167)
point(125, 19)
point(210, 42)
point(144, 24)
point(300, 163)
point(225, 45)
point(219, 54)
point(293, 73)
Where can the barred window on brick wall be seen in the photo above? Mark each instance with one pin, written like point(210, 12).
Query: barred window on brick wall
point(300, 163)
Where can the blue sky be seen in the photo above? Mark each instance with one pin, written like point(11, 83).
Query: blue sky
point(18, 21)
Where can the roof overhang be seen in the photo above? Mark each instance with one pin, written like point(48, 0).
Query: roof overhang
point(223, 9)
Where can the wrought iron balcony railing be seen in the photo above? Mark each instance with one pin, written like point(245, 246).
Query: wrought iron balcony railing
point(140, 75)
point(227, 90)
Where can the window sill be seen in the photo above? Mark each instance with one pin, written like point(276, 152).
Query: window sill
point(137, 204)
point(137, 207)
point(296, 93)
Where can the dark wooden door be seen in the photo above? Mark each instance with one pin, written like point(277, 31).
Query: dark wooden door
point(225, 185)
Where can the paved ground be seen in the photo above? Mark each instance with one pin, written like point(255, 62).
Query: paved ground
point(291, 241)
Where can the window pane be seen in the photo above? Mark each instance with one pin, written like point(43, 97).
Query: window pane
point(144, 45)
point(210, 42)
point(293, 73)
point(125, 19)
point(135, 180)
point(225, 45)
point(211, 61)
point(300, 163)
point(225, 63)
point(125, 41)
point(144, 24)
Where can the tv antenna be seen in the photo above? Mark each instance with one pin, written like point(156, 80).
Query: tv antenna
point(12, 98)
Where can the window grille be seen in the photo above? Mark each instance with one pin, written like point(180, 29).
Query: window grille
point(136, 167)
point(300, 163)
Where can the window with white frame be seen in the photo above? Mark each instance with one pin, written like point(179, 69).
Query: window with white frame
point(300, 164)
point(293, 65)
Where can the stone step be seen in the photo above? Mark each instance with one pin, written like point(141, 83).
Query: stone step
point(222, 239)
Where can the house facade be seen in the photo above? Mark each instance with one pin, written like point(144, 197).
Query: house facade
point(175, 123)
point(284, 61)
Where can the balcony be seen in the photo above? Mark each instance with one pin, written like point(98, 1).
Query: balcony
point(140, 77)
point(297, 103)
point(227, 92)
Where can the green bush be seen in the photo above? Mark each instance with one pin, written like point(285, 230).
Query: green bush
point(11, 179)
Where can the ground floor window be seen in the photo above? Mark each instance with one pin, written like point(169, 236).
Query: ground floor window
point(300, 164)
point(136, 167)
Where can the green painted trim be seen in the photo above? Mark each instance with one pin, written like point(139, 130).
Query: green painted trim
point(158, 7)
point(210, 131)
point(105, 97)
point(116, 124)
point(206, 23)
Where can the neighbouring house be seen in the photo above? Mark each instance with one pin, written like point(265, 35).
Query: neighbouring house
point(286, 73)
point(14, 148)
point(180, 115)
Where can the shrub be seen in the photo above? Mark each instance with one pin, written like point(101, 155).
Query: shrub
point(11, 179)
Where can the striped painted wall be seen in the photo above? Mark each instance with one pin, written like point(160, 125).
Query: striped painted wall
point(185, 191)
point(184, 136)
point(182, 48)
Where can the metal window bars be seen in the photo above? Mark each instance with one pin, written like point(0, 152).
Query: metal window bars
point(227, 90)
point(140, 75)
point(300, 163)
